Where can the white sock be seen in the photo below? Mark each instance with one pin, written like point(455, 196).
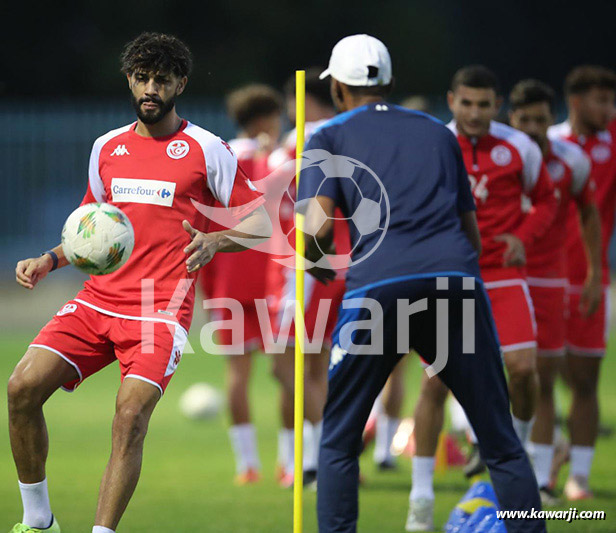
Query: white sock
point(101, 529)
point(308, 463)
point(581, 460)
point(35, 499)
point(386, 428)
point(282, 449)
point(522, 428)
point(288, 436)
point(244, 442)
point(423, 478)
point(459, 421)
point(541, 456)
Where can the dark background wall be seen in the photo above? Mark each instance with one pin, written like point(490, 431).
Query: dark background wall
point(57, 49)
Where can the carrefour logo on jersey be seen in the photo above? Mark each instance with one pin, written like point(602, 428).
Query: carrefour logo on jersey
point(153, 192)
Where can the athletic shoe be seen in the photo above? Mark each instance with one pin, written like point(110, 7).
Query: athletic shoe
point(23, 528)
point(310, 479)
point(248, 477)
point(286, 482)
point(576, 489)
point(421, 515)
point(548, 497)
point(387, 465)
point(474, 465)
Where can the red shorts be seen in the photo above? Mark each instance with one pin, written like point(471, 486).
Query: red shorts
point(89, 340)
point(513, 313)
point(321, 308)
point(587, 335)
point(245, 327)
point(549, 300)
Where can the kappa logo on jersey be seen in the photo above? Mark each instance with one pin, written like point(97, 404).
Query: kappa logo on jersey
point(120, 149)
point(227, 146)
point(601, 153)
point(68, 308)
point(501, 155)
point(153, 192)
point(178, 149)
point(556, 170)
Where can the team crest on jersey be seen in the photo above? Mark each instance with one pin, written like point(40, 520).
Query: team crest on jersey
point(501, 155)
point(178, 149)
point(68, 308)
point(601, 153)
point(556, 170)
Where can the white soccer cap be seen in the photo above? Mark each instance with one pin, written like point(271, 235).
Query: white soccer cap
point(360, 61)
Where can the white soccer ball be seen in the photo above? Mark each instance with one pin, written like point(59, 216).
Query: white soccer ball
point(201, 401)
point(98, 238)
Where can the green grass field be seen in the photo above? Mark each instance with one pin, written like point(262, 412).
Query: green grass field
point(186, 484)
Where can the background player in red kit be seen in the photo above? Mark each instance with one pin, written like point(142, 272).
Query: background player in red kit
point(281, 290)
point(503, 164)
point(257, 110)
point(590, 93)
point(532, 111)
point(104, 322)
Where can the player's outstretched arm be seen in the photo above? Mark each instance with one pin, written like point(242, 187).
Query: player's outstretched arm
point(30, 271)
point(254, 229)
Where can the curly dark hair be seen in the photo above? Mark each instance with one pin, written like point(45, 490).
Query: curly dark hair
point(156, 52)
point(527, 92)
point(586, 77)
point(253, 101)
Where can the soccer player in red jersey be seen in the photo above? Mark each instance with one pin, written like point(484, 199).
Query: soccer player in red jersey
point(503, 165)
point(257, 110)
point(153, 169)
point(590, 93)
point(318, 297)
point(532, 111)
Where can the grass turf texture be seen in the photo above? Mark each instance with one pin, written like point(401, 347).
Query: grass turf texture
point(186, 483)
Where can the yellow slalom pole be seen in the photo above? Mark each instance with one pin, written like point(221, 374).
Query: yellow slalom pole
point(298, 478)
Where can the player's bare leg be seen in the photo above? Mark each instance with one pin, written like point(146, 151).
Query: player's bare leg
point(583, 378)
point(541, 445)
point(429, 416)
point(35, 378)
point(388, 419)
point(523, 388)
point(134, 406)
point(242, 432)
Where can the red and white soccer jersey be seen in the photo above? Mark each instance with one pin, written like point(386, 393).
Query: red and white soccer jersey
point(503, 166)
point(569, 169)
point(281, 279)
point(588, 335)
point(244, 280)
point(157, 182)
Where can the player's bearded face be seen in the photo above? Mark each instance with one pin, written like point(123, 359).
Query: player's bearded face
point(153, 95)
point(151, 109)
point(534, 120)
point(596, 108)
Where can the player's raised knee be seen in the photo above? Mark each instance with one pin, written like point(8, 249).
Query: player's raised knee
point(131, 421)
point(23, 391)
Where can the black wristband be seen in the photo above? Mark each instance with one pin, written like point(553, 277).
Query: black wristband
point(54, 258)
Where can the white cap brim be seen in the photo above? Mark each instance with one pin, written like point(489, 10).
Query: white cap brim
point(324, 74)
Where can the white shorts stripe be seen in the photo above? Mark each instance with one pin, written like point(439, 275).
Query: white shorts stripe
point(74, 365)
point(129, 317)
point(136, 376)
point(519, 346)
